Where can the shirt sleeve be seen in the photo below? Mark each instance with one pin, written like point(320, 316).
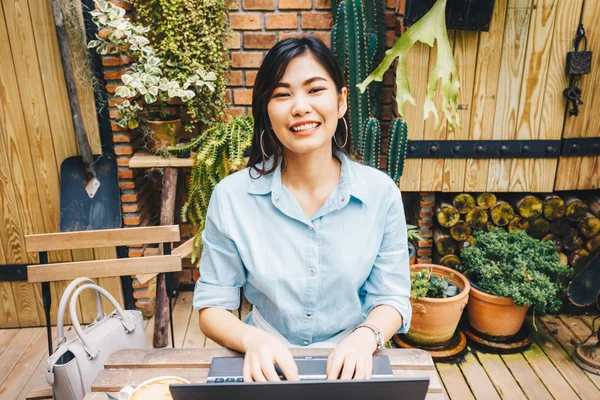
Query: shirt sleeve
point(222, 272)
point(389, 280)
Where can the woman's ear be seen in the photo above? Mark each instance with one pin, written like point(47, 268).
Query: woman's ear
point(342, 102)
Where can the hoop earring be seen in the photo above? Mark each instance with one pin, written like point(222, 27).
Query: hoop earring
point(345, 141)
point(262, 149)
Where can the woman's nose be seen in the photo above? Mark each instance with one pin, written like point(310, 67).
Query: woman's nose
point(301, 105)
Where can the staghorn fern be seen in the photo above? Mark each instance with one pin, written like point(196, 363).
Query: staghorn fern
point(219, 152)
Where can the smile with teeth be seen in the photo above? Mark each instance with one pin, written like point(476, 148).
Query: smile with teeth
point(306, 127)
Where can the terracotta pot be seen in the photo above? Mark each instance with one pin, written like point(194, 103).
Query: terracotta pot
point(493, 315)
point(434, 321)
point(164, 133)
point(412, 253)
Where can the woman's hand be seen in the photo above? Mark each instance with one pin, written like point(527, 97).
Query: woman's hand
point(262, 352)
point(353, 356)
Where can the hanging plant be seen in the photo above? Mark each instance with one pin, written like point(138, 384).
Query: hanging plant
point(220, 151)
point(430, 29)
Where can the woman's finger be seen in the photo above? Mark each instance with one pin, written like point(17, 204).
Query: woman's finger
point(360, 371)
point(268, 368)
point(369, 368)
point(349, 368)
point(257, 373)
point(335, 365)
point(288, 366)
point(246, 369)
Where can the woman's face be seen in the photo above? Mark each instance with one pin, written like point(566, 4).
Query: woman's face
point(305, 106)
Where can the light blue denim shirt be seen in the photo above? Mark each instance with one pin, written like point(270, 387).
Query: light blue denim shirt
point(309, 278)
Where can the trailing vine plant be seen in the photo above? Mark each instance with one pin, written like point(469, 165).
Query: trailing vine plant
point(189, 35)
point(219, 151)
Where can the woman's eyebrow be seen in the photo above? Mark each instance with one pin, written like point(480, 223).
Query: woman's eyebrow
point(306, 82)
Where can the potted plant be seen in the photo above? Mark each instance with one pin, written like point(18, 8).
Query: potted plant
point(150, 96)
point(438, 297)
point(412, 233)
point(510, 272)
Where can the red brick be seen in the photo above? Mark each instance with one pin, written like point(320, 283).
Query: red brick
point(282, 21)
point(245, 22)
point(426, 214)
point(233, 4)
point(121, 138)
point(123, 185)
point(386, 95)
point(130, 197)
point(132, 219)
point(195, 274)
point(141, 294)
point(237, 111)
point(123, 161)
point(427, 204)
point(386, 113)
point(425, 243)
point(423, 252)
point(268, 5)
point(114, 113)
point(123, 149)
point(259, 40)
point(130, 207)
point(250, 77)
point(114, 74)
point(390, 39)
point(425, 233)
point(391, 4)
point(115, 61)
point(316, 20)
point(247, 59)
point(112, 87)
point(242, 97)
point(323, 5)
point(325, 37)
point(228, 96)
point(424, 260)
point(145, 304)
point(136, 284)
point(126, 174)
point(390, 19)
point(295, 4)
point(287, 35)
point(233, 40)
point(425, 222)
point(115, 101)
point(123, 5)
point(234, 78)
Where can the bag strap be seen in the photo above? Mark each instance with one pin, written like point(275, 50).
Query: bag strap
point(126, 319)
point(62, 307)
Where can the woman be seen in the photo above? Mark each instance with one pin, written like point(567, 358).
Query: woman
point(317, 241)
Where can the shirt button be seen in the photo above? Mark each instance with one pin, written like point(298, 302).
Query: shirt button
point(277, 198)
point(312, 272)
point(343, 199)
point(306, 342)
point(308, 314)
point(310, 227)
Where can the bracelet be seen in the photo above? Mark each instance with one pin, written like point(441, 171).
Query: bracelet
point(376, 332)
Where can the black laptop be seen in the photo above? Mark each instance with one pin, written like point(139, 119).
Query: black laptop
point(225, 382)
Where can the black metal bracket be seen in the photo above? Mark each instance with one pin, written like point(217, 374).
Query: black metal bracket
point(460, 14)
point(13, 272)
point(579, 147)
point(483, 149)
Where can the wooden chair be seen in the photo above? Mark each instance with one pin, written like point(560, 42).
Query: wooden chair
point(45, 272)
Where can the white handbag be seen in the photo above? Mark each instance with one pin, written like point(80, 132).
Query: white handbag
point(74, 365)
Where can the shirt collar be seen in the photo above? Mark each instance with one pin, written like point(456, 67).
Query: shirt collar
point(350, 179)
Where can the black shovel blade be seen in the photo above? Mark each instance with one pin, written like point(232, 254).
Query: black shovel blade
point(79, 212)
point(584, 289)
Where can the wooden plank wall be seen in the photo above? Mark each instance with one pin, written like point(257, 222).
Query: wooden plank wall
point(512, 79)
point(36, 135)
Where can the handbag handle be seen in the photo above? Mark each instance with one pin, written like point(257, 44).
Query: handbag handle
point(62, 307)
point(89, 347)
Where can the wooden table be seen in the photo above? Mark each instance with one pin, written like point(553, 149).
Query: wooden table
point(131, 367)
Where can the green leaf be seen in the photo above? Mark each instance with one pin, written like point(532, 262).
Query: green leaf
point(132, 124)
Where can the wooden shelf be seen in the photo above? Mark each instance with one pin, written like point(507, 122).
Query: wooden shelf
point(143, 159)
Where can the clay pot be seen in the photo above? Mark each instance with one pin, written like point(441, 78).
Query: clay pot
point(164, 133)
point(434, 321)
point(493, 315)
point(412, 253)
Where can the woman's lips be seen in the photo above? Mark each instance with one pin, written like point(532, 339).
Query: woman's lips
point(306, 132)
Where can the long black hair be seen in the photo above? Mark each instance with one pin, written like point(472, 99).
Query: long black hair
point(269, 75)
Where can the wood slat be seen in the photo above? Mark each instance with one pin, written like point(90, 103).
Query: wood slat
point(19, 345)
point(111, 283)
point(143, 159)
point(477, 379)
point(489, 60)
point(102, 238)
point(181, 317)
point(103, 268)
point(522, 372)
point(549, 375)
point(575, 376)
point(101, 396)
point(194, 338)
point(500, 376)
point(510, 80)
point(537, 55)
point(454, 381)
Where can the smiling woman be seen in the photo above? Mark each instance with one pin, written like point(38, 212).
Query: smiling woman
point(317, 241)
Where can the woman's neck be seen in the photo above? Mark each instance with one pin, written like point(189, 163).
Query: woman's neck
point(310, 172)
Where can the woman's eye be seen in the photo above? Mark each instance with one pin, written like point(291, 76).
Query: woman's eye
point(280, 95)
point(315, 90)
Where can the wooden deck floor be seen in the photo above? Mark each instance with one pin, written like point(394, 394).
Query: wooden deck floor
point(544, 371)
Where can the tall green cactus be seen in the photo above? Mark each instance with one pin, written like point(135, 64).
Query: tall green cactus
point(372, 148)
point(398, 138)
point(358, 41)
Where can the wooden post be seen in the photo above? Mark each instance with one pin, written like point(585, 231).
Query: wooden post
point(446, 214)
point(167, 217)
point(464, 203)
point(528, 206)
point(576, 209)
point(554, 207)
point(444, 243)
point(486, 200)
point(460, 231)
point(477, 218)
point(502, 213)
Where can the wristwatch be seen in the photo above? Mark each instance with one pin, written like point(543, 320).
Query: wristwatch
point(376, 332)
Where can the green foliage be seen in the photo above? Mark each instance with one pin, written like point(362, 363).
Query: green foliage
point(358, 42)
point(425, 284)
point(412, 232)
point(398, 139)
point(220, 151)
point(515, 265)
point(372, 146)
point(429, 29)
point(189, 35)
